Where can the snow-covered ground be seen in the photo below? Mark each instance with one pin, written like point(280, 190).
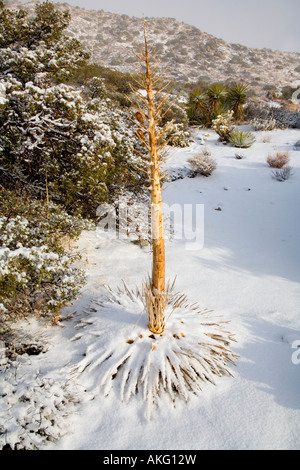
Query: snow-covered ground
point(247, 272)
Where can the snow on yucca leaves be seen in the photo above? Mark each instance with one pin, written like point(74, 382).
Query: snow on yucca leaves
point(121, 354)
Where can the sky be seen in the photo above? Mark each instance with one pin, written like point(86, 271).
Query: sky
point(272, 24)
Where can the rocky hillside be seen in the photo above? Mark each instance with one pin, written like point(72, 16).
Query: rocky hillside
point(188, 53)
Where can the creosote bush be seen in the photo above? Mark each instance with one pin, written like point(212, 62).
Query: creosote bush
point(278, 160)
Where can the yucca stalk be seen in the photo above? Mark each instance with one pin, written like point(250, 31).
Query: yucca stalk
point(149, 115)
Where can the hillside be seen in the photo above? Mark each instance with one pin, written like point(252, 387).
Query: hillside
point(188, 53)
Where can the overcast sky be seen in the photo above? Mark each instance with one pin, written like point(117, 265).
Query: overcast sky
point(255, 23)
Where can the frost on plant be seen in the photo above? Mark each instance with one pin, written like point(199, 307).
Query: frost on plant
point(241, 139)
point(282, 174)
point(279, 160)
point(35, 414)
point(36, 274)
point(203, 163)
point(121, 353)
point(223, 126)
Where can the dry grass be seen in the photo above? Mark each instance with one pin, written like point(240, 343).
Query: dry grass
point(278, 160)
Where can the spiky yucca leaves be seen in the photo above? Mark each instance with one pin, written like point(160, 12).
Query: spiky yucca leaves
point(217, 94)
point(192, 350)
point(237, 97)
point(198, 109)
point(241, 139)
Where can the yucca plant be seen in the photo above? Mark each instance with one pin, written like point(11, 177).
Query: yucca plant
point(153, 341)
point(198, 107)
point(217, 94)
point(241, 139)
point(237, 98)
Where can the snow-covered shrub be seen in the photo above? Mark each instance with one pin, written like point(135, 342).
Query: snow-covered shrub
point(174, 110)
point(223, 126)
point(37, 275)
point(177, 136)
point(56, 137)
point(35, 410)
point(84, 148)
point(282, 174)
point(241, 139)
point(37, 44)
point(297, 145)
point(263, 112)
point(278, 160)
point(202, 163)
point(263, 124)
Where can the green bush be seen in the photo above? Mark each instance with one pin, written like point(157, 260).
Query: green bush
point(37, 272)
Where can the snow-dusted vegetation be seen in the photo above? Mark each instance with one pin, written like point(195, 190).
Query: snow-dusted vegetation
point(188, 53)
point(81, 367)
point(246, 273)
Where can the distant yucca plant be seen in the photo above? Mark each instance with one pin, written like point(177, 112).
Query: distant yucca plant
point(237, 98)
point(241, 139)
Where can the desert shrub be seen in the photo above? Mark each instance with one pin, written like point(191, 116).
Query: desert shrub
point(174, 110)
point(278, 160)
point(203, 163)
point(223, 126)
point(266, 139)
point(283, 117)
point(71, 142)
point(241, 139)
point(297, 145)
point(282, 174)
point(263, 124)
point(176, 136)
point(37, 273)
